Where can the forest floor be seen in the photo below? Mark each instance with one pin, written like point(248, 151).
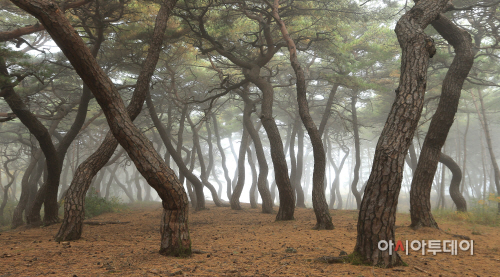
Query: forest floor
point(235, 243)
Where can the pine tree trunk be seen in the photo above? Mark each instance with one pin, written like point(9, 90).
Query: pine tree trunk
point(235, 197)
point(174, 231)
point(377, 214)
point(455, 194)
point(420, 207)
point(323, 218)
point(354, 189)
point(286, 193)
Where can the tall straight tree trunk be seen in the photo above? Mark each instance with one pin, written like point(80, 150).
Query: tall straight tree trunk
point(174, 230)
point(420, 206)
point(300, 167)
point(354, 189)
point(377, 214)
point(323, 218)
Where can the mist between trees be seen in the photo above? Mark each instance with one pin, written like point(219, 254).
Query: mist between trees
point(282, 104)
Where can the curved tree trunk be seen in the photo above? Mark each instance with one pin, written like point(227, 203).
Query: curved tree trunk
point(6, 188)
point(421, 185)
point(222, 154)
point(323, 218)
point(354, 189)
point(176, 155)
point(455, 194)
point(286, 193)
point(235, 197)
point(203, 168)
point(377, 214)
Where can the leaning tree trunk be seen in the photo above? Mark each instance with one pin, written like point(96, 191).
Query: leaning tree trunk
point(455, 194)
point(421, 185)
point(377, 214)
point(174, 230)
point(323, 218)
point(71, 228)
point(176, 155)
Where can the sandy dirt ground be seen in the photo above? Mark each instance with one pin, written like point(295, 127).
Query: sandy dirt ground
point(235, 243)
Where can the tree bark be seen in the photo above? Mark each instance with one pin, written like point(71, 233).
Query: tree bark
point(323, 218)
point(174, 231)
point(455, 193)
point(176, 155)
point(420, 206)
point(286, 193)
point(235, 197)
point(377, 213)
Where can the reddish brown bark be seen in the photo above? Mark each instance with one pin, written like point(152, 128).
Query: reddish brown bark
point(420, 203)
point(174, 230)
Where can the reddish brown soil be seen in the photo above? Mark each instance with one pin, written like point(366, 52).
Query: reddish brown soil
point(237, 243)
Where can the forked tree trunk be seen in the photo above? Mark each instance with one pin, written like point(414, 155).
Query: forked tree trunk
point(174, 230)
point(323, 218)
point(262, 186)
point(420, 206)
point(377, 214)
point(71, 228)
